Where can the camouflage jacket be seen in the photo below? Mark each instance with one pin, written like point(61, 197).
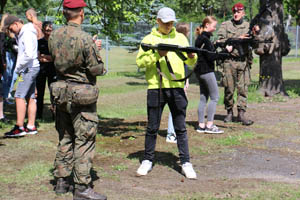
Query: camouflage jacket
point(229, 29)
point(76, 57)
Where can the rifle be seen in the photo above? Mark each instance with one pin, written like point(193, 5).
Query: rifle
point(238, 44)
point(177, 49)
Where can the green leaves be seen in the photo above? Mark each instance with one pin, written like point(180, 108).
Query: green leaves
point(110, 14)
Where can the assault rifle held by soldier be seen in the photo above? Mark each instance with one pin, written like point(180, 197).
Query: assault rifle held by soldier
point(251, 41)
point(238, 43)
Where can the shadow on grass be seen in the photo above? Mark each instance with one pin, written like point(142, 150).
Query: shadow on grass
point(94, 177)
point(111, 127)
point(161, 158)
point(292, 85)
point(10, 113)
point(136, 83)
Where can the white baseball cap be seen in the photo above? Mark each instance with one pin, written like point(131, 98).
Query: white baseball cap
point(166, 15)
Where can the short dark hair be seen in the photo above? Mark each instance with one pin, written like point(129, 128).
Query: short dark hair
point(45, 24)
point(71, 13)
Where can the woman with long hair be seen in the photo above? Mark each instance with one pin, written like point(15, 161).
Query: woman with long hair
point(205, 71)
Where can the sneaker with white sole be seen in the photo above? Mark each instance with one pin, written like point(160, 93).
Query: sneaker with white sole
point(31, 131)
point(200, 130)
point(213, 130)
point(16, 132)
point(171, 138)
point(188, 171)
point(144, 168)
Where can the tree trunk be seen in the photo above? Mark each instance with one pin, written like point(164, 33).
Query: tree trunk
point(2, 5)
point(270, 79)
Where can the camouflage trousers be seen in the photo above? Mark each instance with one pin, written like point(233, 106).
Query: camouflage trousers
point(235, 76)
point(77, 137)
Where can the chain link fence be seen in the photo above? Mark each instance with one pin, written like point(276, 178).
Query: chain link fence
point(120, 56)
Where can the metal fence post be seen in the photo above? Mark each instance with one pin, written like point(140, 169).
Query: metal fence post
point(297, 39)
point(106, 53)
point(191, 34)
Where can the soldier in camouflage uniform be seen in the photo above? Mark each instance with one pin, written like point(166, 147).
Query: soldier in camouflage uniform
point(77, 62)
point(236, 70)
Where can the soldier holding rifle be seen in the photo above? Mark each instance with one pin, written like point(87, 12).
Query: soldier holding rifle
point(237, 69)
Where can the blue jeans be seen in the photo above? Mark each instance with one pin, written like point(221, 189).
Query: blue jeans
point(9, 77)
point(170, 125)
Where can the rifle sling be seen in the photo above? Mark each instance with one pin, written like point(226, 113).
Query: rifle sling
point(174, 78)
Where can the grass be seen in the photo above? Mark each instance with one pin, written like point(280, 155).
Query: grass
point(122, 98)
point(36, 171)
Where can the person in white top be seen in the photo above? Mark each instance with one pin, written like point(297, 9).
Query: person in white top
point(27, 67)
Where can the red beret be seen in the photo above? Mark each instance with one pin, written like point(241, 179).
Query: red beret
point(74, 4)
point(237, 6)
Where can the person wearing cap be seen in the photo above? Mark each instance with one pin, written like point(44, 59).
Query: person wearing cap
point(162, 90)
point(236, 70)
point(77, 63)
point(27, 67)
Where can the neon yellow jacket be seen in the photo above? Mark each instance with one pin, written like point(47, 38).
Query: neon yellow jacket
point(149, 58)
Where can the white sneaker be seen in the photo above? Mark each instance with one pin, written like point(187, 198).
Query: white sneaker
point(188, 171)
point(144, 168)
point(171, 138)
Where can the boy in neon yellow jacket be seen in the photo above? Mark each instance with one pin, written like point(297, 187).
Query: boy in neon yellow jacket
point(168, 91)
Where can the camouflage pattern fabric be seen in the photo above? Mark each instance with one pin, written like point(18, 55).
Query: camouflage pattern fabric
point(235, 72)
point(77, 136)
point(76, 59)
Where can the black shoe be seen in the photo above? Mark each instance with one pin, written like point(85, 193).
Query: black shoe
point(200, 130)
point(16, 132)
point(4, 120)
point(62, 186)
point(87, 193)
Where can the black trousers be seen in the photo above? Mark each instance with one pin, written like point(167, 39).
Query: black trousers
point(177, 102)
point(45, 73)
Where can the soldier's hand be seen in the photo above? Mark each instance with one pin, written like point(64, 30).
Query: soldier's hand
point(255, 30)
point(229, 48)
point(162, 53)
point(244, 36)
point(98, 42)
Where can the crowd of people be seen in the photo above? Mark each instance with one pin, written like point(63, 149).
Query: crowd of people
point(69, 59)
point(25, 56)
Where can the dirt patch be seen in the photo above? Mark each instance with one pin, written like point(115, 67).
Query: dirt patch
point(270, 155)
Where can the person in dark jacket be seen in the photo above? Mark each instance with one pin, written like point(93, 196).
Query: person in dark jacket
point(205, 69)
point(47, 69)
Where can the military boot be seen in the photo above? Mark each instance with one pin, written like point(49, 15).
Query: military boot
point(229, 116)
point(62, 186)
point(243, 119)
point(83, 192)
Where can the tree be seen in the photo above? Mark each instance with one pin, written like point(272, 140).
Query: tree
point(270, 79)
point(110, 14)
point(18, 8)
point(293, 7)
